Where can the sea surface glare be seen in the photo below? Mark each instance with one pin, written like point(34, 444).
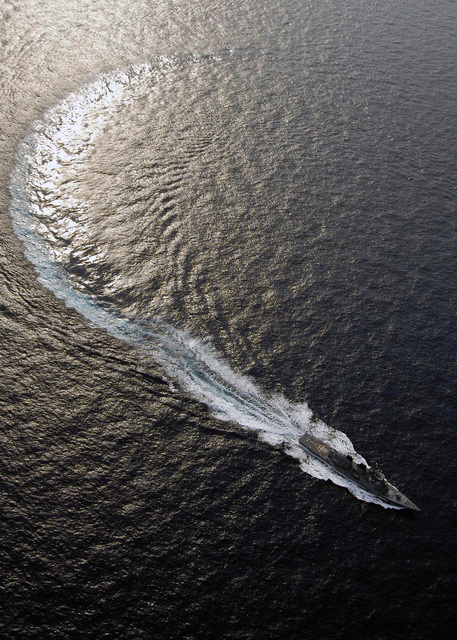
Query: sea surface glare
point(224, 226)
point(56, 225)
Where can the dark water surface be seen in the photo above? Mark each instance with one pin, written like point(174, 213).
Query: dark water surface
point(224, 190)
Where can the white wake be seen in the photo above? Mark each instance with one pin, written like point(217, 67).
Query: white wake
point(48, 212)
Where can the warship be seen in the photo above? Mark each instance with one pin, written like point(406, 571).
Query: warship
point(371, 479)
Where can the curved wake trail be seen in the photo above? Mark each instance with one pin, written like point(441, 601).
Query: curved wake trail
point(48, 212)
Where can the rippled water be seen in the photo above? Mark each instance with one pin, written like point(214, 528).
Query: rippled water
point(247, 207)
point(106, 262)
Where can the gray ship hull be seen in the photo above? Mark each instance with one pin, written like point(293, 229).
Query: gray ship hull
point(368, 478)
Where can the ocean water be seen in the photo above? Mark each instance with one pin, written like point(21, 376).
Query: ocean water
point(224, 226)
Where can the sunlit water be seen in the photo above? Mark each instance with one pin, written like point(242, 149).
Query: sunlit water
point(54, 223)
point(245, 231)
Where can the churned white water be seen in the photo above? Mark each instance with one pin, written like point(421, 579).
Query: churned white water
point(48, 212)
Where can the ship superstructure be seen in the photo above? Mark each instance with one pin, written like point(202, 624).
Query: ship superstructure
point(370, 479)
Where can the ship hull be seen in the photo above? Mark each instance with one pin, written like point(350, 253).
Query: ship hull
point(357, 474)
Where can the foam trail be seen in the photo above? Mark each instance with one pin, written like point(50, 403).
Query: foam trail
point(48, 158)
